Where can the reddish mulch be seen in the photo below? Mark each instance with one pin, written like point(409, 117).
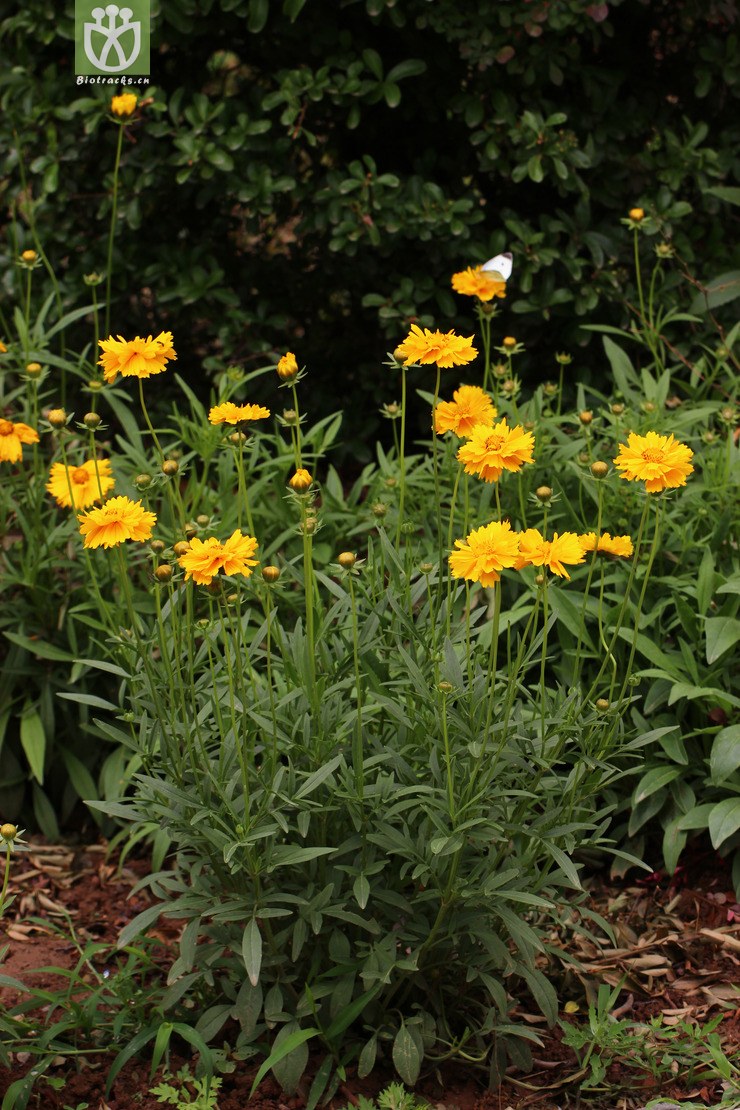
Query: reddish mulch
point(676, 950)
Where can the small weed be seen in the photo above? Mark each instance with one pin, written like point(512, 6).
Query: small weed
point(203, 1097)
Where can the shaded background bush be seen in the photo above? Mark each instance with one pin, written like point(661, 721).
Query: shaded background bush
point(308, 167)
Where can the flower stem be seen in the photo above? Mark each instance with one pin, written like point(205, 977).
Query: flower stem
point(112, 230)
point(402, 458)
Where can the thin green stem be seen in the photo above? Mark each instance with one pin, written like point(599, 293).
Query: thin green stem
point(402, 459)
point(358, 759)
point(112, 229)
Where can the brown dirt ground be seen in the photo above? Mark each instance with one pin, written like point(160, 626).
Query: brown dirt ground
point(676, 952)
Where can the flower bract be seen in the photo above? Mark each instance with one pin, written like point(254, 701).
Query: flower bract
point(661, 462)
point(12, 438)
point(205, 558)
point(618, 546)
point(114, 522)
point(475, 282)
point(80, 486)
point(535, 550)
point(136, 358)
point(485, 552)
point(491, 449)
point(443, 348)
point(229, 413)
point(470, 406)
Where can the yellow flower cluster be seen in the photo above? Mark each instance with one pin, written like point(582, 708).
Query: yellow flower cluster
point(205, 558)
point(229, 413)
point(487, 550)
point(424, 347)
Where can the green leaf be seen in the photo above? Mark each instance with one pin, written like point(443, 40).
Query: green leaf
point(622, 368)
point(89, 699)
point(724, 821)
point(40, 648)
point(653, 780)
point(674, 842)
point(257, 17)
point(722, 633)
point(288, 1045)
point(79, 776)
point(705, 582)
point(406, 1056)
point(33, 741)
point(392, 94)
point(724, 192)
point(44, 813)
point(291, 1066)
point(412, 67)
point(366, 1062)
point(720, 290)
point(725, 755)
point(361, 891)
point(543, 993)
point(252, 951)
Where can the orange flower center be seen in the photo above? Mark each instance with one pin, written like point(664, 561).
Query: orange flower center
point(80, 476)
point(494, 442)
point(652, 454)
point(6, 428)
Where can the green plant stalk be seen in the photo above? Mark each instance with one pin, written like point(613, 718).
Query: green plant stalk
point(437, 499)
point(449, 542)
point(268, 660)
point(485, 332)
point(492, 658)
point(243, 495)
point(112, 229)
point(6, 878)
point(643, 591)
point(448, 763)
point(402, 459)
point(308, 588)
point(358, 759)
point(589, 578)
point(296, 429)
point(543, 659)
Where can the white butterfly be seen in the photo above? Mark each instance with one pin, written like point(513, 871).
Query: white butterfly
point(500, 266)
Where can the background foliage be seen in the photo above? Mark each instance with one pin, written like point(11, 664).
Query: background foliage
point(305, 167)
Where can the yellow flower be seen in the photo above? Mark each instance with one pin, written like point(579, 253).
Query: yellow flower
point(205, 558)
point(475, 282)
point(618, 546)
point(535, 550)
point(3, 348)
point(287, 367)
point(84, 483)
point(300, 481)
point(636, 214)
point(29, 256)
point(124, 105)
point(12, 436)
point(470, 406)
point(661, 462)
point(485, 552)
point(135, 358)
point(117, 520)
point(444, 348)
point(229, 413)
point(493, 449)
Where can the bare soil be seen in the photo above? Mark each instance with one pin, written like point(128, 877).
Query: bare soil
point(676, 953)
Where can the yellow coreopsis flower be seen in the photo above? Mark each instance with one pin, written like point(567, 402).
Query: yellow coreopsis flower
point(492, 449)
point(124, 105)
point(12, 438)
point(205, 558)
point(136, 358)
point(443, 348)
point(475, 282)
point(485, 552)
point(114, 522)
point(3, 348)
point(287, 367)
point(470, 406)
point(535, 550)
point(85, 484)
point(618, 546)
point(301, 480)
point(229, 413)
point(661, 462)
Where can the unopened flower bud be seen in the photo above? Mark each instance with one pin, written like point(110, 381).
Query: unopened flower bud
point(636, 214)
point(648, 406)
point(190, 529)
point(445, 687)
point(500, 369)
point(8, 832)
point(142, 481)
point(549, 389)
point(215, 587)
point(664, 250)
point(287, 367)
point(585, 416)
point(163, 573)
point(709, 437)
point(347, 559)
point(271, 574)
point(309, 525)
point(508, 342)
point(29, 256)
point(181, 548)
point(602, 705)
point(391, 410)
point(563, 359)
point(727, 414)
point(57, 418)
point(33, 369)
point(238, 437)
point(290, 416)
point(170, 467)
point(202, 519)
point(509, 386)
point(599, 470)
point(539, 580)
point(426, 568)
point(399, 354)
point(487, 308)
point(543, 494)
point(91, 420)
point(379, 509)
point(408, 528)
point(391, 483)
point(92, 279)
point(157, 546)
point(301, 481)
point(94, 384)
point(617, 408)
